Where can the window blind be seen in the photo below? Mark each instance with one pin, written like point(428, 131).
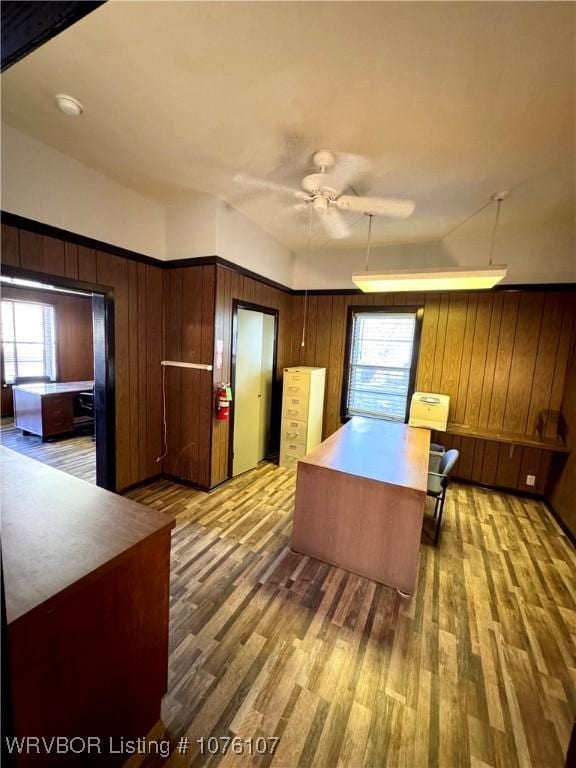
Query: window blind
point(28, 340)
point(380, 364)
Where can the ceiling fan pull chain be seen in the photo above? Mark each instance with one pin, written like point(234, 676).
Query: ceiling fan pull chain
point(308, 248)
point(369, 240)
point(493, 240)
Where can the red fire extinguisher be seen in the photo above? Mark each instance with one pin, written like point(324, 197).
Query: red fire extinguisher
point(223, 399)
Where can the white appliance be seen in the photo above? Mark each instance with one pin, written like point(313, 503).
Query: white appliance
point(430, 410)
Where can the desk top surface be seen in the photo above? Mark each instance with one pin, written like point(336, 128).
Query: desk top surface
point(376, 449)
point(55, 388)
point(58, 530)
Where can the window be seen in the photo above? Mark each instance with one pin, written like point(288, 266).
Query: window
point(382, 359)
point(28, 341)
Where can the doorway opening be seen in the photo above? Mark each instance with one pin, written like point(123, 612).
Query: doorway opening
point(56, 361)
point(254, 352)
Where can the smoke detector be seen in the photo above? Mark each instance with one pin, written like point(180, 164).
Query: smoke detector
point(69, 105)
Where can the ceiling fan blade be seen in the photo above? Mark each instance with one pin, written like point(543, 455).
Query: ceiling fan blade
point(256, 183)
point(334, 224)
point(347, 169)
point(290, 210)
point(376, 206)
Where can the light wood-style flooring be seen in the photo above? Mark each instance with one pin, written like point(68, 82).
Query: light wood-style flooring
point(478, 669)
point(75, 455)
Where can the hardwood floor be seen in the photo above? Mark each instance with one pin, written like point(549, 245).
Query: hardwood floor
point(75, 455)
point(478, 669)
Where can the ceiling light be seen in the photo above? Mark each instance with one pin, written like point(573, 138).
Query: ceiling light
point(436, 279)
point(69, 105)
point(453, 279)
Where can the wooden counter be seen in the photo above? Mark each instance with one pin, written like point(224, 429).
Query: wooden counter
point(360, 499)
point(86, 577)
point(47, 409)
point(510, 438)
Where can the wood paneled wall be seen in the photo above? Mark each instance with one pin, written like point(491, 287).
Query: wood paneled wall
point(229, 286)
point(138, 303)
point(501, 357)
point(562, 490)
point(189, 327)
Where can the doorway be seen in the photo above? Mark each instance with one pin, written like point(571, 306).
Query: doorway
point(56, 366)
point(254, 343)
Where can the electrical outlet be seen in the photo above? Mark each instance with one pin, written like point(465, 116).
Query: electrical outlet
point(530, 479)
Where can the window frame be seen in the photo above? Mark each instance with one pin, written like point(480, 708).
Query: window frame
point(43, 304)
point(380, 309)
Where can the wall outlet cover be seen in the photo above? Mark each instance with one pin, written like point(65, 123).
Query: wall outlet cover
point(530, 479)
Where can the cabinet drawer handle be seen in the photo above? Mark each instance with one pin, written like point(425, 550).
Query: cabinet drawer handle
point(292, 411)
point(293, 434)
point(293, 389)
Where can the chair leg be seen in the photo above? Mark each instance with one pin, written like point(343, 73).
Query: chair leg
point(436, 500)
point(439, 521)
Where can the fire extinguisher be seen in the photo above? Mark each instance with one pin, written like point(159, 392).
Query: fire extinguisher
point(223, 399)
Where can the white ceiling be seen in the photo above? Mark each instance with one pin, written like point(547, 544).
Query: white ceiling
point(448, 101)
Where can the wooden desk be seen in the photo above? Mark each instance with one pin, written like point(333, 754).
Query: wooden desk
point(360, 499)
point(86, 577)
point(47, 409)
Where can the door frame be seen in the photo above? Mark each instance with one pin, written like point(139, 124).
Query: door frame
point(104, 382)
point(274, 410)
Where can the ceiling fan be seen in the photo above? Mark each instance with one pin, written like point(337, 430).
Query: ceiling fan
point(323, 192)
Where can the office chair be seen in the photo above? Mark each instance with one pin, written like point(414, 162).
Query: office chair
point(437, 485)
point(85, 405)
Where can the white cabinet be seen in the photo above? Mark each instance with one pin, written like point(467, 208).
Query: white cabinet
point(302, 411)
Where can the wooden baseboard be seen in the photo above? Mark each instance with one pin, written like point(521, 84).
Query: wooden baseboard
point(140, 484)
point(569, 534)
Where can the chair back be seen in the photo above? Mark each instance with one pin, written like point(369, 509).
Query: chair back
point(86, 402)
point(447, 462)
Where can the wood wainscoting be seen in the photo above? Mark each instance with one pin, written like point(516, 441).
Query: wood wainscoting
point(138, 335)
point(500, 356)
point(189, 328)
point(230, 286)
point(562, 490)
point(198, 303)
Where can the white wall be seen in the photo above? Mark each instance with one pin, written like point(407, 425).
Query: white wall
point(42, 184)
point(191, 227)
point(241, 241)
point(202, 225)
point(45, 185)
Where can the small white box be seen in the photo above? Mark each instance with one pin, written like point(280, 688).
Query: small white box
point(430, 410)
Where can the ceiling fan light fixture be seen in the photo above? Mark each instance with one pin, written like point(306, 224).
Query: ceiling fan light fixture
point(418, 280)
point(320, 204)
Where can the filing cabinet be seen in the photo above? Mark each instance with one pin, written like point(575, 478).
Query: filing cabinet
point(302, 413)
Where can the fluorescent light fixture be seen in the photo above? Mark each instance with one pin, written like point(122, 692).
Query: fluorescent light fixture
point(459, 279)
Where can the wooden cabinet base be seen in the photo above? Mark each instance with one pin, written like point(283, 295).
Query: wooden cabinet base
point(360, 499)
point(364, 526)
point(95, 664)
point(86, 577)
